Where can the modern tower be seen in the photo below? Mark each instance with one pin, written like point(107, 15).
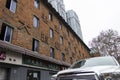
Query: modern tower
point(70, 16)
point(73, 21)
point(59, 7)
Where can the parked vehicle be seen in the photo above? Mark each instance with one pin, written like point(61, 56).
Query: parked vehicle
point(97, 68)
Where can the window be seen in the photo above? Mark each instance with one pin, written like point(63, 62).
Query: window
point(71, 60)
point(61, 40)
point(52, 52)
point(35, 45)
point(33, 75)
point(5, 73)
point(98, 61)
point(83, 55)
point(69, 45)
point(11, 4)
point(79, 54)
point(50, 16)
point(51, 33)
point(67, 33)
point(35, 21)
point(63, 57)
point(6, 33)
point(60, 25)
point(75, 49)
point(36, 3)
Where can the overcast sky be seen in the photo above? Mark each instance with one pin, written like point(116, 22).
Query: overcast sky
point(95, 16)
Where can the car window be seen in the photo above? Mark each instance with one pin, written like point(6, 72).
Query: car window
point(99, 61)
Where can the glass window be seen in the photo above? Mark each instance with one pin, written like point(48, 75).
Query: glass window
point(63, 57)
point(97, 61)
point(36, 3)
point(4, 73)
point(6, 33)
point(75, 49)
point(33, 75)
point(35, 21)
point(69, 46)
point(11, 4)
point(60, 25)
point(71, 60)
point(79, 53)
point(51, 33)
point(50, 16)
point(52, 52)
point(61, 40)
point(67, 33)
point(35, 45)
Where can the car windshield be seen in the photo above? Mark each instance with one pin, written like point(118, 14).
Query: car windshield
point(98, 61)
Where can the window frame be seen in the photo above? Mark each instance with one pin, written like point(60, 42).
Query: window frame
point(11, 5)
point(69, 45)
point(71, 60)
point(51, 33)
point(52, 52)
point(61, 40)
point(8, 33)
point(50, 16)
point(67, 33)
point(35, 45)
point(63, 57)
point(75, 49)
point(60, 25)
point(35, 21)
point(5, 33)
point(37, 3)
point(32, 73)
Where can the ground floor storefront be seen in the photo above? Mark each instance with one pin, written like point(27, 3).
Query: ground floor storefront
point(17, 63)
point(15, 72)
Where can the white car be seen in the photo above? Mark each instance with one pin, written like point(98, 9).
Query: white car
point(97, 68)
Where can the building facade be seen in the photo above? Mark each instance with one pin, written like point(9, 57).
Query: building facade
point(35, 41)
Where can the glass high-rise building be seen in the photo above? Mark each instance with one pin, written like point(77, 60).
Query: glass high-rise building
point(70, 16)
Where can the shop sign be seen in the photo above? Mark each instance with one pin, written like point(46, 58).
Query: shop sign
point(40, 63)
point(2, 55)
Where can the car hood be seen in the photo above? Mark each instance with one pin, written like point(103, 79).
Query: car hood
point(96, 69)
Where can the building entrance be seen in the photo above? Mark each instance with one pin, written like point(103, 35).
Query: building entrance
point(4, 73)
point(33, 75)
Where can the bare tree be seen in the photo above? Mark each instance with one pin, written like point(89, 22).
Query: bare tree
point(107, 43)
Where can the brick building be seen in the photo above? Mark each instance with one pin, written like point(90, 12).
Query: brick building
point(35, 41)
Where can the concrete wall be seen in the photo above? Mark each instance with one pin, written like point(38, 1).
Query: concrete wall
point(12, 57)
